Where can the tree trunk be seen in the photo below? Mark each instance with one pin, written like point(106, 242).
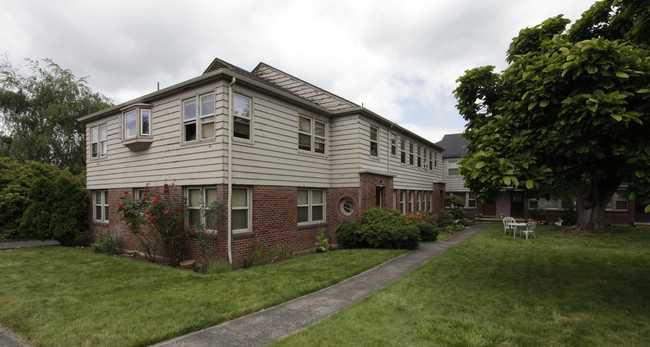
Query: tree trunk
point(592, 203)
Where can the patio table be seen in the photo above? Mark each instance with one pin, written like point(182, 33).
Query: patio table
point(516, 225)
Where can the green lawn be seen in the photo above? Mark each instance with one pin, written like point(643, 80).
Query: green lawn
point(496, 290)
point(57, 296)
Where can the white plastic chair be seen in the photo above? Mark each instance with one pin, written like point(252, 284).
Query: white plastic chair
point(507, 225)
point(529, 229)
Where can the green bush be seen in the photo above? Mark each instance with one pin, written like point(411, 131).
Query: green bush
point(35, 222)
point(569, 216)
point(108, 243)
point(349, 235)
point(407, 237)
point(428, 232)
point(378, 225)
point(69, 211)
point(446, 219)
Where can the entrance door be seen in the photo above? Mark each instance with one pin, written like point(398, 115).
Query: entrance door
point(517, 204)
point(379, 196)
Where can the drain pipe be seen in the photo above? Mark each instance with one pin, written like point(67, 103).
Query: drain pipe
point(230, 137)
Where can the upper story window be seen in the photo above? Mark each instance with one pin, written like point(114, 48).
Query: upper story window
point(198, 118)
point(242, 116)
point(453, 167)
point(136, 121)
point(393, 145)
point(425, 162)
point(431, 162)
point(411, 153)
point(373, 142)
point(98, 144)
point(402, 151)
point(311, 134)
point(419, 153)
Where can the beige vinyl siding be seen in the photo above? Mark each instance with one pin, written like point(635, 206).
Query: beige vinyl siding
point(167, 159)
point(454, 183)
point(272, 156)
point(345, 151)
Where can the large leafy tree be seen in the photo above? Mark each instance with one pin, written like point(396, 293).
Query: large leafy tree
point(39, 114)
point(568, 117)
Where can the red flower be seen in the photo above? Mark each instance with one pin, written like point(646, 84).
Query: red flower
point(153, 201)
point(178, 210)
point(166, 190)
point(121, 206)
point(144, 194)
point(165, 213)
point(126, 192)
point(165, 185)
point(157, 197)
point(144, 200)
point(147, 212)
point(191, 231)
point(146, 190)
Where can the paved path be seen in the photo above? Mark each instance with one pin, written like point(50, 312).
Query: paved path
point(272, 324)
point(23, 244)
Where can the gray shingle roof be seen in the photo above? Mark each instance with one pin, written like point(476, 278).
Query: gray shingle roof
point(454, 145)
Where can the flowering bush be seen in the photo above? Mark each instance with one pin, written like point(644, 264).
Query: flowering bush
point(155, 219)
point(422, 217)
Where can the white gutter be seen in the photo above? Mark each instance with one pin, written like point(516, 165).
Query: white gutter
point(230, 137)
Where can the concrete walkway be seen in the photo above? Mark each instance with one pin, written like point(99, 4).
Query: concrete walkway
point(269, 325)
point(23, 244)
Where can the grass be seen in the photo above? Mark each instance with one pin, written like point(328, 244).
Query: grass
point(57, 296)
point(497, 290)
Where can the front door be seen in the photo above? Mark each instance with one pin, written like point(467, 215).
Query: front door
point(379, 197)
point(517, 204)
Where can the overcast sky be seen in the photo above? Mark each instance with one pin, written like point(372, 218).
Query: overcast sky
point(399, 59)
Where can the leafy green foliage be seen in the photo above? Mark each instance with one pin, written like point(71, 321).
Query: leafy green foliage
point(69, 211)
point(40, 112)
point(35, 222)
point(322, 242)
point(567, 119)
point(428, 232)
point(108, 243)
point(380, 228)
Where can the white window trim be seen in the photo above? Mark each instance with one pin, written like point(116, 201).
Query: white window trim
point(313, 137)
point(402, 151)
point(138, 110)
point(203, 205)
point(101, 146)
point(393, 145)
point(249, 209)
point(103, 204)
point(310, 205)
point(618, 196)
point(466, 198)
point(375, 141)
point(250, 118)
point(452, 164)
point(199, 119)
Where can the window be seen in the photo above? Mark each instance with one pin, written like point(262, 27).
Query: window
point(402, 201)
point(453, 167)
point(618, 202)
point(468, 197)
point(419, 156)
point(430, 160)
point(545, 204)
point(241, 211)
point(411, 201)
point(425, 164)
point(136, 121)
point(393, 145)
point(410, 153)
point(100, 202)
point(199, 200)
point(346, 206)
point(308, 139)
point(242, 115)
point(311, 205)
point(402, 147)
point(198, 118)
point(373, 141)
point(98, 144)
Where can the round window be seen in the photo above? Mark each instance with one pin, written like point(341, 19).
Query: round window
point(347, 206)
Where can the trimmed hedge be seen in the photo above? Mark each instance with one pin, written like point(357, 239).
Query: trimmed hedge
point(381, 228)
point(428, 232)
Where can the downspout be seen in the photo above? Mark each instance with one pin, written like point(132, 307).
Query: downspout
point(230, 137)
